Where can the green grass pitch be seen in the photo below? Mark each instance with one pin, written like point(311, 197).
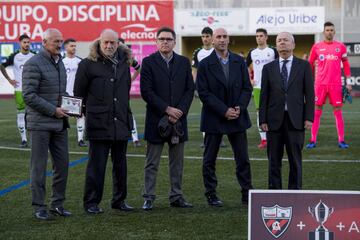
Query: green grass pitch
point(163, 222)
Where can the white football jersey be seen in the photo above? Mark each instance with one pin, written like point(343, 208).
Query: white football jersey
point(71, 66)
point(203, 53)
point(260, 57)
point(17, 60)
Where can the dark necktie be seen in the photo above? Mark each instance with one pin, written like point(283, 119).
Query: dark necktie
point(284, 73)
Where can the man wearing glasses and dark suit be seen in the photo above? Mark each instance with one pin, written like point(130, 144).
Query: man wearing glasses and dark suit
point(167, 87)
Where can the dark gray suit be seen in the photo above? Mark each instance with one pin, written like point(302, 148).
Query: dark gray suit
point(286, 126)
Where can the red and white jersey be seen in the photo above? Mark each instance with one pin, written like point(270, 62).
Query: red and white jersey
point(328, 57)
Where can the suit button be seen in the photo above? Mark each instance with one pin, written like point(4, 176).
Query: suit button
point(115, 99)
point(111, 80)
point(115, 118)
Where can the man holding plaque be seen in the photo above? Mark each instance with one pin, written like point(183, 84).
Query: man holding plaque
point(103, 80)
point(44, 83)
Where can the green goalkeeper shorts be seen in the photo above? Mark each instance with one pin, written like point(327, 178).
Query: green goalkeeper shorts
point(256, 94)
point(19, 100)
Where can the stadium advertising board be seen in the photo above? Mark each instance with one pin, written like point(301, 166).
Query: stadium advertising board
point(84, 20)
point(354, 79)
point(304, 20)
point(304, 215)
point(191, 22)
point(353, 49)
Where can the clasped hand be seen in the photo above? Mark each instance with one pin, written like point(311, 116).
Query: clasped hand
point(232, 113)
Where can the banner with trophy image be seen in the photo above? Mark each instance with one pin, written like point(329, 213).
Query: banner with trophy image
point(304, 215)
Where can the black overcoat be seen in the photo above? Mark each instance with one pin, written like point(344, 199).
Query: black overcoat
point(217, 96)
point(161, 87)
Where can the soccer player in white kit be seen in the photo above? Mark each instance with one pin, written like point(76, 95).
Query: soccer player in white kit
point(258, 57)
point(17, 60)
point(71, 62)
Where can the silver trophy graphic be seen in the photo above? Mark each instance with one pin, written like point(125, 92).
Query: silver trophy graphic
point(321, 213)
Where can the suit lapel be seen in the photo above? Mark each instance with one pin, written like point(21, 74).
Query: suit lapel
point(175, 65)
point(161, 62)
point(234, 63)
point(293, 71)
point(277, 74)
point(216, 69)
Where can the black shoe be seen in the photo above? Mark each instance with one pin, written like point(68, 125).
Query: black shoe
point(60, 211)
point(123, 206)
point(181, 203)
point(245, 199)
point(213, 200)
point(148, 205)
point(43, 215)
point(137, 144)
point(81, 143)
point(94, 210)
point(23, 144)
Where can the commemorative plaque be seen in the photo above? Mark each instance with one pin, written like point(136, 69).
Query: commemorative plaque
point(73, 105)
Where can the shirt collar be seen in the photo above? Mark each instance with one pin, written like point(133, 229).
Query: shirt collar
point(289, 59)
point(167, 59)
point(223, 60)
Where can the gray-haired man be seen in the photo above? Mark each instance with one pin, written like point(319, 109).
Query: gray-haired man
point(44, 81)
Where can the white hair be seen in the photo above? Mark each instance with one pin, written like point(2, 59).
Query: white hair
point(48, 33)
point(290, 35)
point(109, 30)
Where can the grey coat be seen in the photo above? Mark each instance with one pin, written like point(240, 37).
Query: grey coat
point(44, 81)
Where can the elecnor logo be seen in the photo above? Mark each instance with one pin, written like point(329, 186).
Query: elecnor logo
point(276, 219)
point(147, 32)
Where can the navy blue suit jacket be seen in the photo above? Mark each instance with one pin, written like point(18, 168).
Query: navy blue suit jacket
point(217, 96)
point(299, 95)
point(161, 88)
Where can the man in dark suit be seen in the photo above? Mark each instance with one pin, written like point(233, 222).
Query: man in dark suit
point(225, 90)
point(167, 87)
point(286, 109)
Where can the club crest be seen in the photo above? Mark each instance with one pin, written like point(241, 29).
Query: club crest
point(276, 219)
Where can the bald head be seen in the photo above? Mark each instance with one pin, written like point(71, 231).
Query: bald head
point(220, 31)
point(285, 44)
point(52, 41)
point(109, 42)
point(221, 40)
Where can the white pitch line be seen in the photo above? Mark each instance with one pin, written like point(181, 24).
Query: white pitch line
point(200, 158)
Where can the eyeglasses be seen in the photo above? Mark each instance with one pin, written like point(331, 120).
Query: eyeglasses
point(165, 39)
